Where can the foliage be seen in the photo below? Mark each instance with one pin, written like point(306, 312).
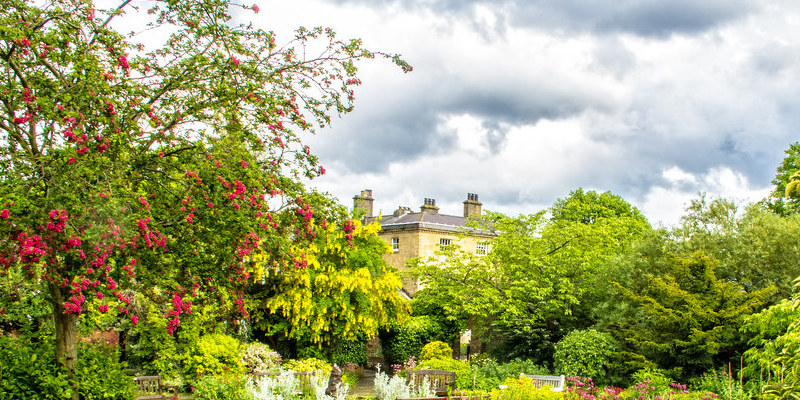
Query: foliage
point(390, 388)
point(320, 367)
point(396, 387)
point(655, 379)
point(722, 383)
point(523, 388)
point(28, 370)
point(350, 352)
point(280, 387)
point(774, 358)
point(344, 290)
point(541, 268)
point(584, 353)
point(22, 307)
point(756, 249)
point(258, 357)
point(214, 354)
point(321, 386)
point(784, 200)
point(401, 342)
point(227, 386)
point(161, 169)
point(676, 313)
point(464, 377)
point(434, 350)
point(487, 374)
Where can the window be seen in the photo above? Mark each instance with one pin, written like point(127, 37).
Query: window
point(395, 244)
point(443, 243)
point(481, 249)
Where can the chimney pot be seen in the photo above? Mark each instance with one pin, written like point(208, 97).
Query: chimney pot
point(429, 206)
point(472, 206)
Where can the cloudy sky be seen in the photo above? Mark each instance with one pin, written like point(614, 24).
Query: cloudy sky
point(522, 101)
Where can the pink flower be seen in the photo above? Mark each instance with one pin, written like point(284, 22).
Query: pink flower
point(234, 60)
point(103, 308)
point(99, 296)
point(5, 214)
point(134, 319)
point(256, 9)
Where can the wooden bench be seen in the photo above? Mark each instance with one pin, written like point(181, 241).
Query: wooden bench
point(557, 383)
point(441, 381)
point(151, 388)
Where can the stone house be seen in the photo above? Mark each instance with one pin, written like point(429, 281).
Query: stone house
point(420, 234)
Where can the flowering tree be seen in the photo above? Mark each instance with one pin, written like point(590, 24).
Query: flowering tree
point(344, 291)
point(155, 169)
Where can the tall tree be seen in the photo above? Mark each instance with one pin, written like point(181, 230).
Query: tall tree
point(123, 166)
point(542, 268)
point(680, 316)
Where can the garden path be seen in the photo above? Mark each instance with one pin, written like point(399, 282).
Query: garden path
point(365, 386)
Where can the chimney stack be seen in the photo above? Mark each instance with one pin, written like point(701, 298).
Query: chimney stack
point(472, 207)
point(429, 207)
point(364, 202)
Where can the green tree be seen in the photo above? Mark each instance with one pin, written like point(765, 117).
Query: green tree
point(584, 353)
point(676, 313)
point(756, 249)
point(156, 169)
point(542, 268)
point(785, 198)
point(341, 290)
point(774, 358)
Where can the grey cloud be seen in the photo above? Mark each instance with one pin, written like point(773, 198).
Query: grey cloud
point(650, 18)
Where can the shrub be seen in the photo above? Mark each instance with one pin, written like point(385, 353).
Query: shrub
point(396, 387)
point(214, 354)
point(584, 353)
point(101, 375)
point(350, 352)
point(401, 342)
point(522, 388)
point(721, 383)
point(223, 387)
point(653, 378)
point(280, 387)
point(258, 357)
point(28, 370)
point(321, 368)
point(461, 368)
point(435, 350)
point(487, 374)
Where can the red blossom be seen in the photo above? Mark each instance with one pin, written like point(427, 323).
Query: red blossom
point(5, 213)
point(255, 9)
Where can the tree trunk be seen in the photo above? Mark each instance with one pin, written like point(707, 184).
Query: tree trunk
point(66, 338)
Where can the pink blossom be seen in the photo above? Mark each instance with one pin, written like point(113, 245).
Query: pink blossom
point(234, 60)
point(255, 9)
point(103, 308)
point(134, 319)
point(5, 213)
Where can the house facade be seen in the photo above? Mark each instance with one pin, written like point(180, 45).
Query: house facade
point(421, 234)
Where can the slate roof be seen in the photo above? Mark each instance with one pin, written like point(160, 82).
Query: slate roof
point(442, 222)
